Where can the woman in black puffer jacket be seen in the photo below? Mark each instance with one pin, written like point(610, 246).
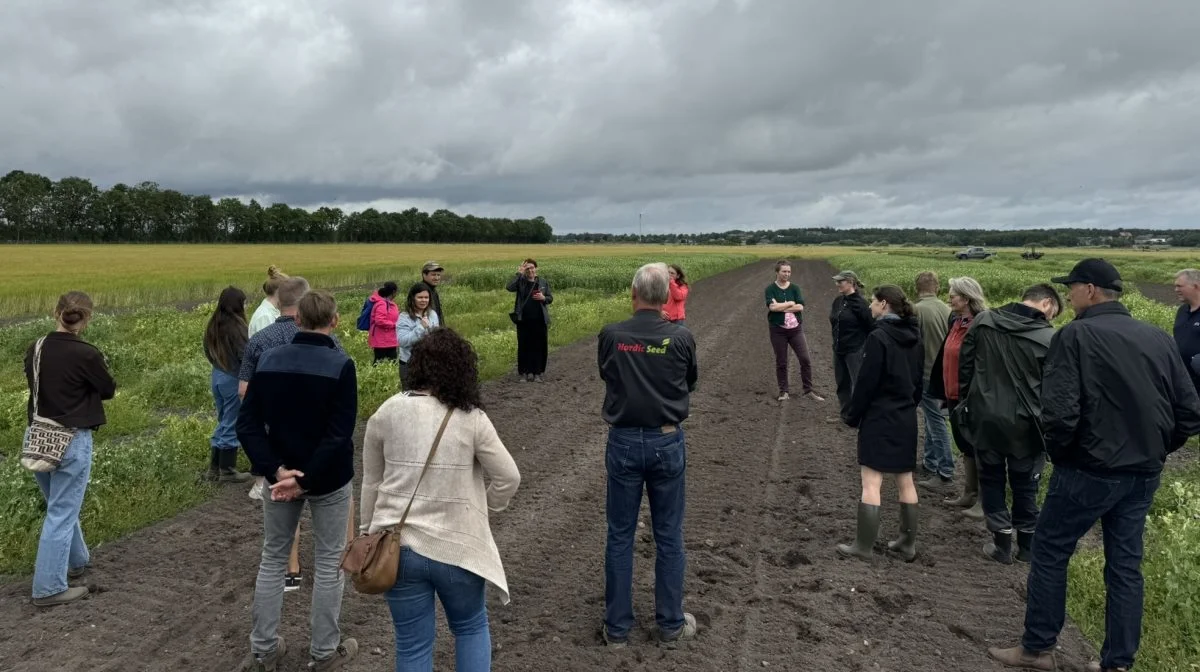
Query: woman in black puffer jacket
point(851, 320)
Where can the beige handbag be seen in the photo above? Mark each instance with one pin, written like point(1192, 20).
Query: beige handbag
point(46, 441)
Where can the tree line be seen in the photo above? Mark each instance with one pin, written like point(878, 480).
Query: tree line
point(34, 208)
point(912, 237)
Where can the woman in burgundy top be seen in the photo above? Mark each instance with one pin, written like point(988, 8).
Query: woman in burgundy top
point(966, 302)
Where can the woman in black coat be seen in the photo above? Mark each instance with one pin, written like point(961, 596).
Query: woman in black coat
point(532, 318)
point(884, 409)
point(851, 320)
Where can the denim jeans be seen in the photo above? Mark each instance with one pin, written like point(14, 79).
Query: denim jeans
point(939, 459)
point(1075, 501)
point(225, 395)
point(330, 514)
point(61, 547)
point(997, 473)
point(654, 459)
point(414, 614)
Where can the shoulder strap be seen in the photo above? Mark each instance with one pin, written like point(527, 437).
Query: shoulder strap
point(428, 461)
point(37, 365)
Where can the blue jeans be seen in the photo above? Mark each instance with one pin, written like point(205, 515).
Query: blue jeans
point(225, 395)
point(414, 614)
point(61, 546)
point(1075, 501)
point(656, 460)
point(938, 457)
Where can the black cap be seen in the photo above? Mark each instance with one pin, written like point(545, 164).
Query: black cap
point(1096, 272)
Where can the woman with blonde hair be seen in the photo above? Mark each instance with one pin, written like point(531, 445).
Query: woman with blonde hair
point(268, 311)
point(967, 301)
point(447, 548)
point(68, 383)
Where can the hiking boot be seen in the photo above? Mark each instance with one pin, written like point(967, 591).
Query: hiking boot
point(906, 544)
point(813, 396)
point(1024, 546)
point(1095, 667)
point(346, 651)
point(66, 597)
point(868, 530)
point(264, 663)
point(1017, 656)
point(1000, 547)
point(610, 642)
point(688, 631)
point(227, 459)
point(970, 486)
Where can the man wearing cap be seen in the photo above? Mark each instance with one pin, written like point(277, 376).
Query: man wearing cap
point(1116, 400)
point(852, 321)
point(431, 274)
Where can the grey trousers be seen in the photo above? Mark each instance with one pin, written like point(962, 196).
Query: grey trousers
point(280, 519)
point(845, 371)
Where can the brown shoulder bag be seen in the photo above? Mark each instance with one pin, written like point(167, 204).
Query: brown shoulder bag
point(373, 560)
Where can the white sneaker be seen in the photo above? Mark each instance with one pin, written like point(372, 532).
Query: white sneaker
point(256, 490)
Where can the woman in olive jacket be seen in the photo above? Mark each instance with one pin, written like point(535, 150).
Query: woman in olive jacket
point(884, 409)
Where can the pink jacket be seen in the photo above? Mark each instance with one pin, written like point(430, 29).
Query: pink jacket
point(384, 316)
point(675, 308)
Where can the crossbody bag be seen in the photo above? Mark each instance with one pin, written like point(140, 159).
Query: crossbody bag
point(46, 441)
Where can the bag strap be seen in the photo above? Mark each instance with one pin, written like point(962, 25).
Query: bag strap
point(37, 366)
point(428, 461)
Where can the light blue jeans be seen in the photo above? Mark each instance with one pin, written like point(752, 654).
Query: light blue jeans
point(414, 614)
point(225, 396)
point(938, 457)
point(61, 547)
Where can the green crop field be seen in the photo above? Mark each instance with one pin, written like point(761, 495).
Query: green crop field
point(1171, 633)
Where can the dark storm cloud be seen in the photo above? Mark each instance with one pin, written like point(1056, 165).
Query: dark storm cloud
point(699, 114)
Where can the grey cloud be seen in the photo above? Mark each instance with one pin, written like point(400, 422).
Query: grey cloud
point(703, 114)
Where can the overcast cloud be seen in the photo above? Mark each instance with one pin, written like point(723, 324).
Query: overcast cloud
point(702, 114)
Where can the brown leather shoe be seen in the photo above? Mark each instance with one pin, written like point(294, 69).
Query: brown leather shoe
point(1017, 656)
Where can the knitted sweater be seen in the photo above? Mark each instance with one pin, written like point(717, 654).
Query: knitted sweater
point(449, 517)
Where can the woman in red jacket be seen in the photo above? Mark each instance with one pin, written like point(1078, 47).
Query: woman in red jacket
point(384, 315)
point(674, 311)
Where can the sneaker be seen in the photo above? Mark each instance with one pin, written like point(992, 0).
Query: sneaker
point(256, 490)
point(783, 396)
point(292, 582)
point(346, 651)
point(66, 597)
point(264, 663)
point(813, 396)
point(539, 379)
point(522, 378)
point(612, 643)
point(688, 631)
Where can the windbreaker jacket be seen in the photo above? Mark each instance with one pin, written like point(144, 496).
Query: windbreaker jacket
point(384, 316)
point(1000, 381)
point(1115, 394)
point(852, 321)
point(884, 404)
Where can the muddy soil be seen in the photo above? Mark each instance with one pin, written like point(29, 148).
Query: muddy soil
point(1163, 293)
point(771, 489)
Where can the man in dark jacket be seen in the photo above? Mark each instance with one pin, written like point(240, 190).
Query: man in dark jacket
point(1187, 321)
point(850, 317)
point(296, 425)
point(1000, 384)
point(1115, 401)
point(431, 274)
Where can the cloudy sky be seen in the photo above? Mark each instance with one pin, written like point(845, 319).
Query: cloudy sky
point(701, 114)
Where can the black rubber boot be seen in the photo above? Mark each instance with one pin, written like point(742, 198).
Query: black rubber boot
point(214, 466)
point(1024, 546)
point(229, 472)
point(1000, 547)
point(868, 531)
point(906, 544)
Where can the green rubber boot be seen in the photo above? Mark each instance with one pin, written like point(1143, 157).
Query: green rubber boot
point(868, 530)
point(906, 544)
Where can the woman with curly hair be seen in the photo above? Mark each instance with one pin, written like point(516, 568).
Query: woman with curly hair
point(446, 541)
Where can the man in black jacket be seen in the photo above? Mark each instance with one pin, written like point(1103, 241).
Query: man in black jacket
point(1115, 401)
point(431, 274)
point(1000, 385)
point(296, 425)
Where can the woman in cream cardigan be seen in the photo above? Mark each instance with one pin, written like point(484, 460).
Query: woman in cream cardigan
point(446, 542)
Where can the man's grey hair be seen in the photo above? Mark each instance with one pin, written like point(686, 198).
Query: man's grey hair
point(1189, 275)
point(651, 283)
point(291, 291)
point(1109, 294)
point(970, 290)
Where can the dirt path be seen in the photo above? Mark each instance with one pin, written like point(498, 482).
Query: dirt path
point(1161, 292)
point(771, 489)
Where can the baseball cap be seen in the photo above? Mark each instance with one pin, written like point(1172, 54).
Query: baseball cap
point(847, 275)
point(1092, 271)
point(431, 266)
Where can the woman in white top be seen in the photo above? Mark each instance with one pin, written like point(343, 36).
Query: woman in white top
point(446, 542)
point(416, 320)
point(268, 311)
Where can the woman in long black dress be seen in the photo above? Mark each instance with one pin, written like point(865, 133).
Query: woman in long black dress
point(883, 407)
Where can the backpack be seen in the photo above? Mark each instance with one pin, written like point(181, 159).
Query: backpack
point(364, 317)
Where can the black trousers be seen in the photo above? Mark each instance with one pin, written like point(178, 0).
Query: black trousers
point(962, 444)
point(1021, 474)
point(845, 371)
point(533, 347)
point(385, 354)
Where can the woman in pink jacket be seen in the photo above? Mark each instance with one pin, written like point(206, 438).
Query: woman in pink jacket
point(384, 314)
point(675, 310)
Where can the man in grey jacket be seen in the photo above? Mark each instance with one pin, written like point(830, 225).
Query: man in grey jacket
point(1000, 384)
